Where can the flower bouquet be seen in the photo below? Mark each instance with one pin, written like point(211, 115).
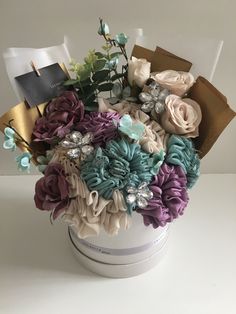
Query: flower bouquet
point(119, 146)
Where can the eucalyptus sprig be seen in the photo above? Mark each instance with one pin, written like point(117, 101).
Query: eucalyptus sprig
point(99, 71)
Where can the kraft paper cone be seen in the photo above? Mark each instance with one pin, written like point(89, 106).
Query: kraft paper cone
point(216, 114)
point(164, 60)
point(161, 59)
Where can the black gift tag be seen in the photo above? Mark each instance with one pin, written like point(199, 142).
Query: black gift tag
point(39, 89)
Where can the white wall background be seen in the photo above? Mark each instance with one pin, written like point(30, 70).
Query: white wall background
point(43, 23)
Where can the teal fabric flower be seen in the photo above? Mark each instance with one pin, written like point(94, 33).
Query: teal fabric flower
point(103, 29)
point(9, 139)
point(119, 164)
point(134, 130)
point(156, 161)
point(23, 161)
point(122, 39)
point(181, 152)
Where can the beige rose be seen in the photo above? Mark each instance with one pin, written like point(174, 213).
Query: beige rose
point(178, 83)
point(181, 116)
point(138, 71)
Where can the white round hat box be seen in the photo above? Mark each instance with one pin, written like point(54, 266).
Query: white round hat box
point(130, 253)
point(140, 248)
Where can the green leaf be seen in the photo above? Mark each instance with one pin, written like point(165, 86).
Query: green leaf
point(99, 65)
point(117, 76)
point(70, 82)
point(105, 87)
point(85, 74)
point(86, 82)
point(115, 54)
point(100, 55)
point(101, 75)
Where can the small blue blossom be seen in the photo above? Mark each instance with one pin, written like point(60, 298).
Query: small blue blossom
point(23, 161)
point(134, 130)
point(122, 39)
point(103, 29)
point(9, 139)
point(156, 161)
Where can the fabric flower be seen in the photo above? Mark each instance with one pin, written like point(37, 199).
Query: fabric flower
point(154, 138)
point(23, 161)
point(169, 196)
point(177, 82)
point(122, 39)
point(101, 125)
point(181, 152)
point(133, 130)
point(156, 161)
point(9, 139)
point(59, 117)
point(89, 213)
point(52, 190)
point(138, 71)
point(103, 29)
point(119, 164)
point(181, 116)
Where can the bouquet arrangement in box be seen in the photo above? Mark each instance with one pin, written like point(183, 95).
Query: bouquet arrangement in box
point(123, 135)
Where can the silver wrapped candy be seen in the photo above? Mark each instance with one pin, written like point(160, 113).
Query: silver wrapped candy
point(77, 145)
point(153, 98)
point(139, 196)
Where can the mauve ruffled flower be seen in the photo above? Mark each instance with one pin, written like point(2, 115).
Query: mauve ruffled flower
point(181, 152)
point(59, 117)
point(103, 125)
point(169, 196)
point(52, 190)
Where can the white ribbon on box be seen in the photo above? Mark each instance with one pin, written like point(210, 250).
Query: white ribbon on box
point(17, 61)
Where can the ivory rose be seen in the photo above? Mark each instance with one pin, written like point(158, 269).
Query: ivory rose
point(177, 82)
point(138, 71)
point(181, 116)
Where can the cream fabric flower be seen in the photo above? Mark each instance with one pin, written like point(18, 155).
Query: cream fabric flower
point(154, 138)
point(181, 116)
point(138, 71)
point(177, 82)
point(88, 213)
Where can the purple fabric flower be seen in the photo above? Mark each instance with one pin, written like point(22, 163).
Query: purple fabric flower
point(103, 125)
point(169, 196)
point(52, 191)
point(59, 117)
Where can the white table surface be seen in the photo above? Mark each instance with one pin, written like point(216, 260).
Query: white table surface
point(39, 274)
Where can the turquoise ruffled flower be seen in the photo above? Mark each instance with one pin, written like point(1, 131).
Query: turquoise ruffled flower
point(9, 139)
point(119, 164)
point(23, 161)
point(134, 130)
point(156, 161)
point(181, 152)
point(122, 39)
point(103, 29)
